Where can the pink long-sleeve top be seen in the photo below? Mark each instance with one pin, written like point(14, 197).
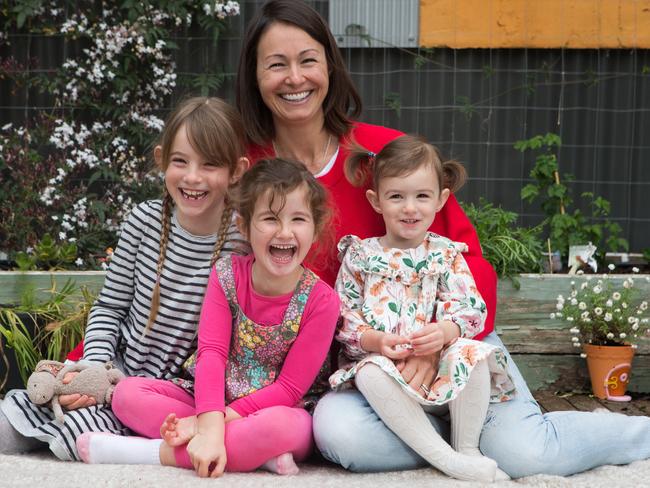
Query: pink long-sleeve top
point(306, 356)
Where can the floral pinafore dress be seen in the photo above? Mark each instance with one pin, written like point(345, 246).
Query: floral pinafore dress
point(257, 352)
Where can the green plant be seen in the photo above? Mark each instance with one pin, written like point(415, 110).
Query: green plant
point(603, 312)
point(510, 249)
point(58, 325)
point(566, 227)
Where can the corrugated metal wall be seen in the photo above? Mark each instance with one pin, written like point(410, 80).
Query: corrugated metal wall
point(473, 103)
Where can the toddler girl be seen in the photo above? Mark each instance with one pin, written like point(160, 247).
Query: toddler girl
point(410, 292)
point(265, 331)
point(146, 316)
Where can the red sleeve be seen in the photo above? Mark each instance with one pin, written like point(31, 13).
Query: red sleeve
point(305, 357)
point(215, 329)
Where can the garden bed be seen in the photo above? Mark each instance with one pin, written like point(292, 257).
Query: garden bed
point(540, 346)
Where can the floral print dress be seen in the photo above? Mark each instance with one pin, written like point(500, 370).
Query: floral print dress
point(399, 291)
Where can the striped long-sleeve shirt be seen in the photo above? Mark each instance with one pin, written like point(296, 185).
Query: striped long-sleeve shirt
point(117, 321)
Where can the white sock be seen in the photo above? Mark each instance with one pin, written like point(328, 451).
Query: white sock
point(103, 448)
point(468, 411)
point(406, 418)
point(282, 464)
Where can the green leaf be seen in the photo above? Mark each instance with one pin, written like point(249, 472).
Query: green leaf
point(393, 308)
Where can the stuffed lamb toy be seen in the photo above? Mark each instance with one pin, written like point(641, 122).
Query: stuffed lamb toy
point(46, 383)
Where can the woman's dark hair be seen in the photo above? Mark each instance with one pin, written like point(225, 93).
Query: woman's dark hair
point(342, 103)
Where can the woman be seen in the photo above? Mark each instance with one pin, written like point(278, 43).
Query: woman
point(298, 101)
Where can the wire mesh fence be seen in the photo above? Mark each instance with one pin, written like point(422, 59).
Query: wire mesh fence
point(473, 103)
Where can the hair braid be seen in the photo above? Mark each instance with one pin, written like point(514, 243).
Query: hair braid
point(164, 239)
point(226, 218)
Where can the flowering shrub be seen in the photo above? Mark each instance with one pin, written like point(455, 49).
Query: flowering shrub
point(604, 313)
point(75, 172)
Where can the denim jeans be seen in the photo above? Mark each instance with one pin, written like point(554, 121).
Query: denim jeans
point(516, 434)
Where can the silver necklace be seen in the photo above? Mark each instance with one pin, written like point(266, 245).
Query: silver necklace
point(322, 161)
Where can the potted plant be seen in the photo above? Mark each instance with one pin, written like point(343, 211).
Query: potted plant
point(607, 318)
point(36, 329)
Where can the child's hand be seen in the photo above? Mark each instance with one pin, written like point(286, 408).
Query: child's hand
point(390, 346)
point(75, 400)
point(428, 340)
point(207, 452)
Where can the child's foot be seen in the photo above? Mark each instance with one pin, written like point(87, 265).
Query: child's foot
point(467, 468)
point(500, 474)
point(105, 448)
point(283, 464)
point(176, 432)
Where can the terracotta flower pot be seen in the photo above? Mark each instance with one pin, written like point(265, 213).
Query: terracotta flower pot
point(609, 369)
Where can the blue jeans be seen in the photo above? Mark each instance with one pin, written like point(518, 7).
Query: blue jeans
point(516, 434)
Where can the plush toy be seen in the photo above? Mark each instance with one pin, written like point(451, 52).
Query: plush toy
point(46, 383)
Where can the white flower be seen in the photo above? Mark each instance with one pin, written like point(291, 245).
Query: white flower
point(597, 289)
point(574, 330)
point(552, 316)
point(622, 335)
point(576, 344)
point(609, 303)
point(575, 339)
point(610, 335)
point(583, 355)
point(79, 262)
point(611, 267)
point(635, 270)
point(569, 319)
point(584, 285)
point(598, 311)
point(62, 236)
point(608, 317)
point(635, 327)
point(624, 305)
point(644, 305)
point(574, 301)
point(580, 272)
point(634, 346)
point(584, 315)
point(631, 320)
point(559, 306)
point(582, 306)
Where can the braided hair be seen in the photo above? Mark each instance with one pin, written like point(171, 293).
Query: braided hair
point(215, 131)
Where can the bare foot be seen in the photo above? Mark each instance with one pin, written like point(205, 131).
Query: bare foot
point(176, 432)
point(283, 464)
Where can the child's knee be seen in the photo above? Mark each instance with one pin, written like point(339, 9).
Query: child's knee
point(126, 392)
point(283, 424)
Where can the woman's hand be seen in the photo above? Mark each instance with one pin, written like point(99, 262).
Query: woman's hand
point(75, 400)
point(207, 451)
point(419, 371)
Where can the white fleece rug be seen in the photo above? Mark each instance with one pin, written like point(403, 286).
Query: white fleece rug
point(42, 469)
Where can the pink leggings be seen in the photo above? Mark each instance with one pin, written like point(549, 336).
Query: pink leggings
point(143, 403)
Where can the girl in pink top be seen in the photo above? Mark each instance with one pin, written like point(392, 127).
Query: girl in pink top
point(265, 330)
